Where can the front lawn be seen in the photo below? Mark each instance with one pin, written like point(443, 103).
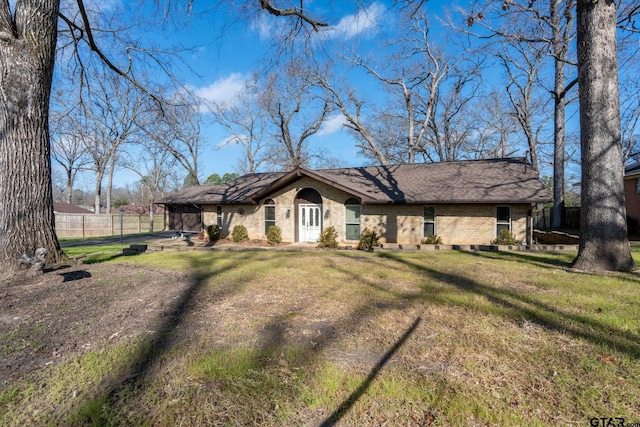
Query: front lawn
point(321, 338)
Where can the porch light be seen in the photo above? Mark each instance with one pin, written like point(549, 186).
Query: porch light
point(288, 213)
point(327, 213)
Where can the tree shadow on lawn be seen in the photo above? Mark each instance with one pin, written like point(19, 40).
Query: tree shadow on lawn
point(129, 380)
point(274, 339)
point(515, 305)
point(549, 260)
point(344, 407)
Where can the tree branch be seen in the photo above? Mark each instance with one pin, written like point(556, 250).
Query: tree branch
point(266, 5)
point(94, 47)
point(8, 30)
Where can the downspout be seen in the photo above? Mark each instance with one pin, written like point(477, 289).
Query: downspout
point(529, 239)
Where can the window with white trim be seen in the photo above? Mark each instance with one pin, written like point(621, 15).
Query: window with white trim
point(503, 219)
point(352, 219)
point(269, 214)
point(219, 216)
point(429, 221)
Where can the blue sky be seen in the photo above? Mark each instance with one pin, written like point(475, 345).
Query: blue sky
point(224, 51)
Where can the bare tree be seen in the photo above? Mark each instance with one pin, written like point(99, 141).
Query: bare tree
point(450, 130)
point(28, 37)
point(67, 148)
point(629, 96)
point(604, 244)
point(178, 130)
point(295, 113)
point(417, 71)
point(522, 71)
point(245, 122)
point(105, 120)
point(27, 53)
point(155, 165)
point(561, 23)
point(493, 134)
point(546, 26)
point(350, 104)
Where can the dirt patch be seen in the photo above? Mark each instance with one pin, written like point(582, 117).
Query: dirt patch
point(71, 310)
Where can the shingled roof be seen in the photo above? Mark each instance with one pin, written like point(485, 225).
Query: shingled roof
point(632, 170)
point(237, 191)
point(475, 181)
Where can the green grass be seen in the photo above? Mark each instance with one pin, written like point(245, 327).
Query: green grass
point(397, 338)
point(74, 251)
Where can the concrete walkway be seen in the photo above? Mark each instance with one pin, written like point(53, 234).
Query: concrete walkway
point(127, 239)
point(171, 240)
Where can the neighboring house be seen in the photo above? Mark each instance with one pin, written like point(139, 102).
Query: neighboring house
point(465, 202)
point(632, 191)
point(138, 210)
point(68, 208)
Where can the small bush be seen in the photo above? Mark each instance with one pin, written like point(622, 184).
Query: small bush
point(368, 240)
point(505, 238)
point(274, 235)
point(329, 238)
point(240, 234)
point(432, 240)
point(214, 232)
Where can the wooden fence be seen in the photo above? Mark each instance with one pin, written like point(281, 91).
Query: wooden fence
point(544, 218)
point(91, 225)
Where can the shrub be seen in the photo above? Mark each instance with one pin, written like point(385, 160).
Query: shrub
point(240, 234)
point(368, 240)
point(214, 232)
point(274, 235)
point(329, 238)
point(432, 240)
point(505, 238)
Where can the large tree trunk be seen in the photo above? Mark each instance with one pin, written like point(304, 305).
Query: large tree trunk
point(27, 50)
point(69, 186)
point(559, 50)
point(604, 244)
point(112, 168)
point(98, 192)
point(151, 214)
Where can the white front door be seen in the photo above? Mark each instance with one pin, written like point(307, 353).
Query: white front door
point(310, 223)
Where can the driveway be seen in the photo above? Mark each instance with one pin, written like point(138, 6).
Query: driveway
point(127, 239)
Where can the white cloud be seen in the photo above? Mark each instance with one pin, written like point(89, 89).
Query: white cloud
point(224, 90)
point(367, 20)
point(364, 21)
point(232, 140)
point(331, 125)
point(264, 25)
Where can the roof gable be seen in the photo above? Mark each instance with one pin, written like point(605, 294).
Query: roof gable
point(63, 207)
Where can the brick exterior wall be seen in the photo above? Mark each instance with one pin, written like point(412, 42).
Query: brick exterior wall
point(455, 224)
point(468, 224)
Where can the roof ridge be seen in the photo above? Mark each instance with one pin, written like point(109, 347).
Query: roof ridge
point(492, 160)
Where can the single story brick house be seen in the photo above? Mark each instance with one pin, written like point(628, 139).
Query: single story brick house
point(463, 202)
